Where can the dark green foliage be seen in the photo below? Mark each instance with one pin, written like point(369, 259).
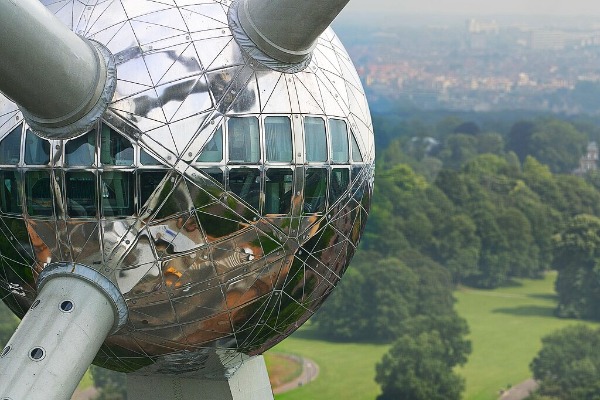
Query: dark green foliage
point(112, 385)
point(568, 365)
point(8, 324)
point(576, 257)
point(419, 368)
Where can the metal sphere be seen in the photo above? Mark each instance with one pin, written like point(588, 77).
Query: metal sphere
point(225, 199)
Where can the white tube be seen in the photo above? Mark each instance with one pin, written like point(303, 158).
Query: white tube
point(57, 341)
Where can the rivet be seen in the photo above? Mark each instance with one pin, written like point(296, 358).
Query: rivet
point(190, 154)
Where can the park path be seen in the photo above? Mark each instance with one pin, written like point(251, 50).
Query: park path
point(87, 394)
point(310, 371)
point(520, 391)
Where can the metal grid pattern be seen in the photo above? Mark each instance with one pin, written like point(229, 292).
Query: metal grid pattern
point(208, 273)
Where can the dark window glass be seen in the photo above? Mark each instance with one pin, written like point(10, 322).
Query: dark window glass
point(10, 197)
point(278, 138)
point(147, 159)
point(10, 147)
point(149, 181)
point(81, 194)
point(339, 141)
point(315, 190)
point(215, 173)
point(246, 184)
point(37, 150)
point(278, 191)
point(114, 148)
point(315, 139)
point(117, 193)
point(340, 179)
point(356, 156)
point(213, 150)
point(80, 151)
point(244, 146)
point(38, 193)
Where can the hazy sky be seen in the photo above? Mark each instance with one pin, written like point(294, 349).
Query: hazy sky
point(553, 7)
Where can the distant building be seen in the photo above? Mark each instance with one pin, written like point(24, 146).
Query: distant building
point(589, 162)
point(547, 40)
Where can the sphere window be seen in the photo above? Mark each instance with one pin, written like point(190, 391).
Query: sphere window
point(80, 151)
point(114, 148)
point(315, 139)
point(278, 191)
point(10, 147)
point(245, 182)
point(147, 159)
point(213, 150)
point(315, 190)
point(356, 156)
point(81, 194)
point(117, 193)
point(340, 179)
point(339, 141)
point(10, 196)
point(38, 193)
point(215, 173)
point(149, 181)
point(243, 140)
point(37, 150)
point(278, 139)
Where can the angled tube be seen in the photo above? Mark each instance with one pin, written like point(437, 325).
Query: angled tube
point(287, 30)
point(60, 81)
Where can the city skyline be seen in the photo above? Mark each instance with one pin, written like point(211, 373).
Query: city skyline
point(474, 7)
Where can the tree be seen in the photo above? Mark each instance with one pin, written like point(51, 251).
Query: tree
point(112, 385)
point(417, 368)
point(577, 259)
point(558, 144)
point(568, 365)
point(8, 324)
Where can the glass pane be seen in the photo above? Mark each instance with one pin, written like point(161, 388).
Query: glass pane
point(356, 156)
point(246, 184)
point(38, 193)
point(213, 150)
point(37, 150)
point(81, 194)
point(114, 148)
point(244, 146)
point(10, 197)
point(215, 173)
point(278, 191)
point(340, 179)
point(315, 139)
point(10, 147)
point(80, 151)
point(117, 193)
point(315, 190)
point(278, 137)
point(147, 159)
point(149, 181)
point(339, 141)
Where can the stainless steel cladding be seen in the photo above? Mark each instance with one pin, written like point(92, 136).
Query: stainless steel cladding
point(224, 199)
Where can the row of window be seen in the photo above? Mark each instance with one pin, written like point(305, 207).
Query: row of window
point(116, 190)
point(332, 142)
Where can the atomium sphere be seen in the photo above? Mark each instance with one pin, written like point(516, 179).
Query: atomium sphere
point(223, 197)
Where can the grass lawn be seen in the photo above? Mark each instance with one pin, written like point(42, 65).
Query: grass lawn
point(506, 327)
point(347, 370)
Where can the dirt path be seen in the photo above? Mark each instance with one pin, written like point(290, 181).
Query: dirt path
point(87, 394)
point(520, 391)
point(310, 371)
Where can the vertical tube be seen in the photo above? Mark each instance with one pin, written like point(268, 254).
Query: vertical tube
point(56, 341)
point(287, 30)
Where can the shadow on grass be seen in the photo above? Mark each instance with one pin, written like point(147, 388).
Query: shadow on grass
point(511, 283)
point(527, 311)
point(546, 296)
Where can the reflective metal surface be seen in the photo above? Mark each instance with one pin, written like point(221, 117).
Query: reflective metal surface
point(224, 199)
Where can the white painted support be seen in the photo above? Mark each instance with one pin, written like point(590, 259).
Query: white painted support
point(250, 382)
point(68, 338)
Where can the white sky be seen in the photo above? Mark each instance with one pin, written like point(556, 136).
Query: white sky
point(473, 7)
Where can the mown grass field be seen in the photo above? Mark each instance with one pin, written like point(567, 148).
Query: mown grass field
point(506, 327)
